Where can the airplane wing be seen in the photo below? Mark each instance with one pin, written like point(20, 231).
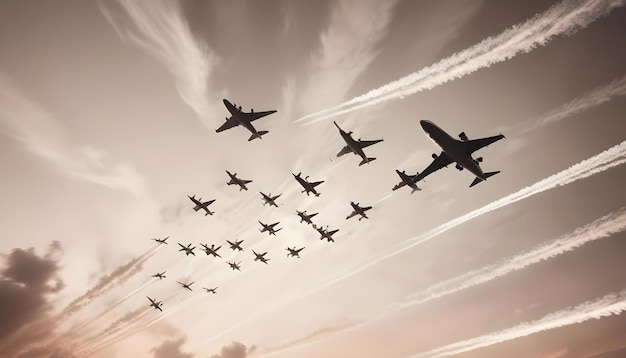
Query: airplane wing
point(207, 203)
point(230, 123)
point(367, 143)
point(314, 184)
point(475, 144)
point(351, 214)
point(253, 116)
point(344, 150)
point(441, 161)
point(366, 208)
point(159, 308)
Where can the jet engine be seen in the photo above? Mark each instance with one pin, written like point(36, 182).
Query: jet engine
point(458, 167)
point(463, 136)
point(251, 110)
point(478, 160)
point(434, 156)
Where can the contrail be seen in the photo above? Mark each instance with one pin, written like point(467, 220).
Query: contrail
point(609, 305)
point(564, 18)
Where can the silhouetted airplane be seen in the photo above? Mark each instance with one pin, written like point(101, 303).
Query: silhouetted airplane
point(354, 146)
point(358, 210)
point(234, 266)
point(236, 181)
point(308, 186)
point(269, 199)
point(200, 205)
point(245, 119)
point(188, 249)
point(161, 241)
point(212, 290)
point(325, 234)
point(156, 304)
point(260, 257)
point(159, 275)
point(186, 285)
point(294, 252)
point(459, 151)
point(304, 217)
point(270, 228)
point(406, 180)
point(235, 245)
point(211, 250)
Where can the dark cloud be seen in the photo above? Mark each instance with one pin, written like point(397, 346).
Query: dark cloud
point(235, 350)
point(171, 349)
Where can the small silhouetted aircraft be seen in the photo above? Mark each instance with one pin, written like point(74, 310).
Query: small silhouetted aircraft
point(456, 151)
point(245, 119)
point(309, 187)
point(200, 205)
point(260, 257)
point(188, 249)
point(236, 181)
point(358, 210)
point(159, 275)
point(211, 250)
point(156, 304)
point(235, 245)
point(269, 199)
point(162, 241)
point(325, 234)
point(304, 217)
point(354, 146)
point(294, 252)
point(408, 180)
point(212, 290)
point(270, 228)
point(234, 266)
point(186, 285)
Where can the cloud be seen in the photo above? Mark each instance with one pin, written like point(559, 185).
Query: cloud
point(564, 18)
point(171, 349)
point(235, 350)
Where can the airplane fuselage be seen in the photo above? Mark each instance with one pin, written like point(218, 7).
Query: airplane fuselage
point(240, 119)
point(352, 144)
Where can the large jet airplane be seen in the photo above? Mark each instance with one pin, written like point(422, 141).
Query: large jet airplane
point(236, 181)
point(200, 205)
point(270, 228)
point(260, 257)
point(188, 249)
point(309, 187)
point(162, 241)
point(406, 180)
point(356, 209)
point(245, 119)
point(325, 234)
point(211, 250)
point(294, 252)
point(234, 265)
point(160, 276)
point(269, 199)
point(235, 245)
point(304, 217)
point(186, 285)
point(156, 304)
point(456, 151)
point(212, 290)
point(354, 146)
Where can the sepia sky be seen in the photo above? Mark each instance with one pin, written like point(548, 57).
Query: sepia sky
point(108, 111)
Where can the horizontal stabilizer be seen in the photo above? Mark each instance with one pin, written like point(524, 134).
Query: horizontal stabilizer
point(257, 135)
point(487, 175)
point(364, 161)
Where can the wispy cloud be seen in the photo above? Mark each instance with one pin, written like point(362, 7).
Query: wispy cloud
point(564, 18)
point(160, 28)
point(609, 305)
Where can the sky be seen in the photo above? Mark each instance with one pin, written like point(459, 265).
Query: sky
point(108, 112)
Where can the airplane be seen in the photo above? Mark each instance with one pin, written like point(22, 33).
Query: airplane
point(211, 250)
point(308, 186)
point(212, 290)
point(270, 228)
point(245, 119)
point(241, 182)
point(294, 252)
point(354, 146)
point(235, 245)
point(456, 151)
point(156, 304)
point(200, 205)
point(234, 266)
point(188, 249)
point(269, 199)
point(159, 275)
point(186, 285)
point(162, 241)
point(325, 234)
point(304, 217)
point(358, 210)
point(406, 180)
point(260, 257)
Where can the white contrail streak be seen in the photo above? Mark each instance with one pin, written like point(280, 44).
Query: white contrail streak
point(609, 305)
point(566, 18)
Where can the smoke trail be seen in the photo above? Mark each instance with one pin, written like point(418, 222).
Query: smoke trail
point(609, 305)
point(565, 18)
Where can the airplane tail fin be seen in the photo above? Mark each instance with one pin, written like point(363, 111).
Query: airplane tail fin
point(209, 212)
point(487, 175)
point(258, 134)
point(364, 161)
point(416, 189)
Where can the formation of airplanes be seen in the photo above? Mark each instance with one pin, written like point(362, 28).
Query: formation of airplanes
point(457, 152)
